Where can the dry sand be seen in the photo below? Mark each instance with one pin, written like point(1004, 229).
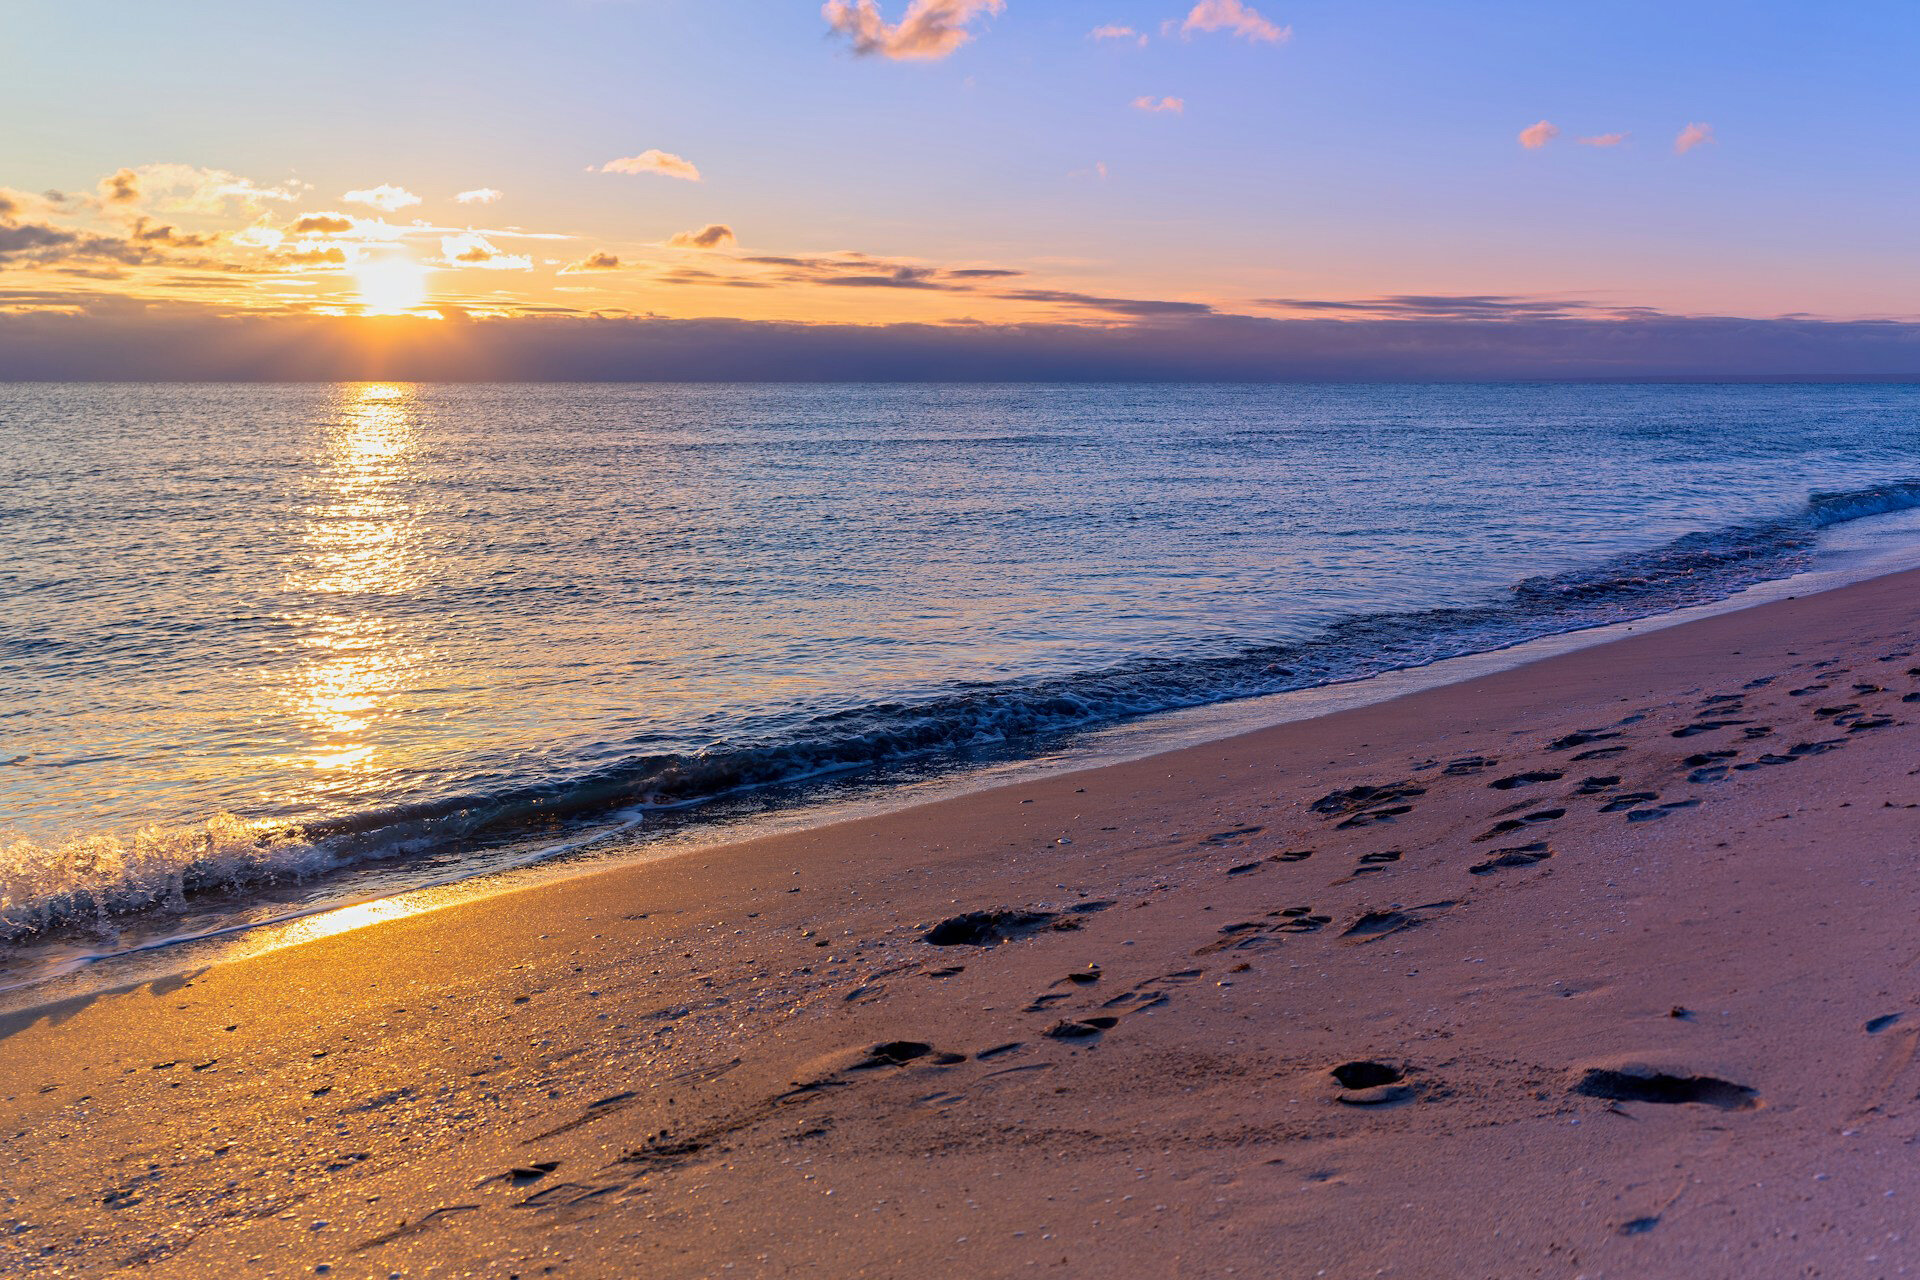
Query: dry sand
point(1624, 953)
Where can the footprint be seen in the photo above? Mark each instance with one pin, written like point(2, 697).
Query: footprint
point(1873, 722)
point(1352, 800)
point(1519, 856)
point(1233, 836)
point(1600, 753)
point(1367, 1083)
point(1373, 925)
point(1372, 817)
point(1594, 785)
point(1771, 758)
point(1083, 1029)
point(1385, 855)
point(1469, 764)
point(1640, 1084)
point(1299, 920)
point(1136, 1001)
point(1292, 855)
point(1628, 799)
point(1525, 779)
point(1663, 811)
point(1004, 924)
point(1705, 726)
point(1581, 739)
point(1515, 824)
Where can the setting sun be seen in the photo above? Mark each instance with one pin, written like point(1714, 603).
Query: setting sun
point(390, 285)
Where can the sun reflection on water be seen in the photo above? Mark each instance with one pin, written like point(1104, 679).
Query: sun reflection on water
point(358, 546)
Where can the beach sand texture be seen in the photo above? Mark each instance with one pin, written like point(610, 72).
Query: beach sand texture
point(1605, 966)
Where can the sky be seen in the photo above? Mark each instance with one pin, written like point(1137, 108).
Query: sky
point(1362, 171)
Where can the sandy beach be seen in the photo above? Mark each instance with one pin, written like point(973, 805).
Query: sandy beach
point(1603, 966)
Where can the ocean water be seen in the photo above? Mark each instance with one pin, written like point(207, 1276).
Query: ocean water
point(255, 640)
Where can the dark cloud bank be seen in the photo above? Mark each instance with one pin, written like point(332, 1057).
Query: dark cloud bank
point(182, 343)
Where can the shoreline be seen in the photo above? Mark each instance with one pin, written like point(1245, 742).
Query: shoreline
point(705, 1049)
point(627, 844)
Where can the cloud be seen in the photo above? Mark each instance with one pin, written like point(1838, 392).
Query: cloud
point(652, 160)
point(479, 195)
point(597, 261)
point(1692, 136)
point(898, 278)
point(1137, 307)
point(123, 187)
point(41, 244)
point(710, 236)
point(1604, 140)
point(386, 197)
point(185, 188)
point(1113, 31)
point(1232, 15)
point(331, 256)
point(1456, 306)
point(147, 231)
point(1536, 136)
point(1147, 102)
point(928, 29)
point(470, 249)
point(320, 224)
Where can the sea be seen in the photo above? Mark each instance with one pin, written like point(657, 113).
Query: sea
point(266, 650)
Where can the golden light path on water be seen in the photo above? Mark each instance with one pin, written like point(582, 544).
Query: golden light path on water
point(359, 545)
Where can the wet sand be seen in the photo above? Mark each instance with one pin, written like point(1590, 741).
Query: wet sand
point(1602, 966)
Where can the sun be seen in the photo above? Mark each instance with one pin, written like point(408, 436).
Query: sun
point(390, 285)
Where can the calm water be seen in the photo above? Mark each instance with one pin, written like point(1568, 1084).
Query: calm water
point(254, 633)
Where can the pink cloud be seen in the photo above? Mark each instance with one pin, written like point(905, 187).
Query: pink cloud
point(928, 29)
point(1232, 15)
point(652, 160)
point(1604, 140)
point(1147, 102)
point(1113, 31)
point(1536, 136)
point(1692, 136)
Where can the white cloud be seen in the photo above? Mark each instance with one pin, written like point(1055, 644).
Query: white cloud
point(471, 250)
point(479, 195)
point(186, 188)
point(386, 197)
point(928, 29)
point(652, 160)
point(1233, 16)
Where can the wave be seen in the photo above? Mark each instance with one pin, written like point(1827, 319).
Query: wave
point(91, 879)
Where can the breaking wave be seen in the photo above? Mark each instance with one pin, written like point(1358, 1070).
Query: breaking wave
point(94, 878)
